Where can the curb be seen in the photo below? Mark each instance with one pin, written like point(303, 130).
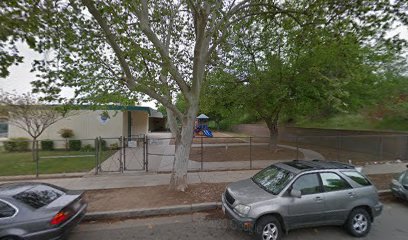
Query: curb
point(384, 193)
point(150, 212)
point(42, 176)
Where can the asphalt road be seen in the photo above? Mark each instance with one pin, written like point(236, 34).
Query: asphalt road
point(392, 224)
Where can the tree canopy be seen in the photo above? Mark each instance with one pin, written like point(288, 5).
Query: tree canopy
point(119, 51)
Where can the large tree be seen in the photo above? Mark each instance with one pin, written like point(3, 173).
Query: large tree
point(329, 65)
point(113, 51)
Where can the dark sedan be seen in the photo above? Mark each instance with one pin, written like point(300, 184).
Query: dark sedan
point(399, 185)
point(32, 211)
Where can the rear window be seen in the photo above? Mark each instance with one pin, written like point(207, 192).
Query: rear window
point(357, 177)
point(39, 196)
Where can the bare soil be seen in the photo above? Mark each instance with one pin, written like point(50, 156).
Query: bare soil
point(217, 138)
point(242, 153)
point(160, 196)
point(150, 197)
point(357, 158)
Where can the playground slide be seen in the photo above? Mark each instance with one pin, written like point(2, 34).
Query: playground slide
point(207, 133)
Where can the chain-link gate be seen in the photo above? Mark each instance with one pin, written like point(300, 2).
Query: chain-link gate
point(134, 153)
point(121, 154)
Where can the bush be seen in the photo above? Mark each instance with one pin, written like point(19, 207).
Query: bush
point(88, 148)
point(103, 145)
point(16, 145)
point(66, 133)
point(10, 146)
point(74, 145)
point(47, 145)
point(114, 146)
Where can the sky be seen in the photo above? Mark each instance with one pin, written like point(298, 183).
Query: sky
point(20, 76)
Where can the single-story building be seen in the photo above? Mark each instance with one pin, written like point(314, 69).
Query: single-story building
point(108, 122)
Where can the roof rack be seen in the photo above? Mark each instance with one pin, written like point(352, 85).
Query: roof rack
point(319, 164)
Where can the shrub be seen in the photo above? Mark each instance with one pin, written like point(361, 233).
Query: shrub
point(16, 145)
point(114, 146)
point(10, 146)
point(47, 145)
point(103, 145)
point(66, 133)
point(87, 148)
point(74, 145)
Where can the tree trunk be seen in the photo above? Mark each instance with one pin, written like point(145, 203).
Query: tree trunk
point(273, 134)
point(182, 153)
point(34, 149)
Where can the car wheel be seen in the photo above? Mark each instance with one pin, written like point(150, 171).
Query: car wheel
point(268, 228)
point(358, 223)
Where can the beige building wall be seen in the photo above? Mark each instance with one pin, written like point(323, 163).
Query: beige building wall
point(139, 122)
point(86, 124)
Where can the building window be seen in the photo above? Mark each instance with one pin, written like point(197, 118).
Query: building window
point(3, 128)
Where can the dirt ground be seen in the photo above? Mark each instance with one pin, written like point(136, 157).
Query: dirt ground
point(159, 196)
point(218, 137)
point(357, 158)
point(242, 153)
point(149, 197)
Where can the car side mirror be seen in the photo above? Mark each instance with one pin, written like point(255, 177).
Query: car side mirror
point(295, 193)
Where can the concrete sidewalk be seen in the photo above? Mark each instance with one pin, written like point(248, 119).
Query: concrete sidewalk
point(142, 179)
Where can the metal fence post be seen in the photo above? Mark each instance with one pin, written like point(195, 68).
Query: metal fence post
point(202, 153)
point(96, 155)
point(122, 149)
point(36, 159)
point(381, 155)
point(147, 154)
point(338, 147)
point(124, 140)
point(297, 147)
point(146, 163)
point(250, 153)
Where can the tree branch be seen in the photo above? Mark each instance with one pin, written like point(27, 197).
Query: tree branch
point(112, 41)
point(143, 17)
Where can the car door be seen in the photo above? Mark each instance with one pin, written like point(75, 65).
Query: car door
point(309, 208)
point(338, 195)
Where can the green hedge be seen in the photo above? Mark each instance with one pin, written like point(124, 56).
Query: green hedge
point(16, 145)
point(47, 145)
point(74, 145)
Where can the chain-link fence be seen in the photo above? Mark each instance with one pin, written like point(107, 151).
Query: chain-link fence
point(359, 149)
point(21, 156)
point(141, 153)
point(232, 153)
point(27, 157)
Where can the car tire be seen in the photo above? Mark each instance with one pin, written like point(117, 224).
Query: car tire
point(358, 223)
point(268, 228)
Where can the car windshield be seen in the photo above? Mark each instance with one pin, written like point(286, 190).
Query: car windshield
point(273, 179)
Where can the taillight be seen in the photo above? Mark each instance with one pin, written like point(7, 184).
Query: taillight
point(60, 218)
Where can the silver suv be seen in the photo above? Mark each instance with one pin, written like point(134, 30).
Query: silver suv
point(298, 194)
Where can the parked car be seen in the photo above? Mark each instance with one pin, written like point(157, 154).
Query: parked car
point(297, 194)
point(32, 211)
point(399, 185)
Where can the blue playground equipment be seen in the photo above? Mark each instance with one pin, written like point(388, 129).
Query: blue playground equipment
point(201, 126)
